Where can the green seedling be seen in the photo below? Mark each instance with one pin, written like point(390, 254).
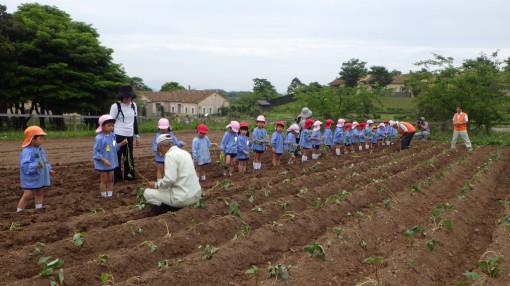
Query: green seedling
point(276, 224)
point(257, 209)
point(490, 265)
point(289, 215)
point(49, 269)
point(107, 279)
point(316, 249)
point(387, 202)
point(338, 231)
point(78, 239)
point(253, 270)
point(431, 244)
point(284, 205)
point(471, 276)
point(415, 189)
point(168, 234)
point(439, 175)
point(267, 192)
point(278, 270)
point(208, 251)
point(151, 245)
point(227, 184)
point(221, 161)
point(104, 260)
point(14, 226)
point(201, 203)
point(302, 191)
point(164, 263)
point(234, 210)
point(376, 261)
point(359, 216)
point(410, 233)
point(134, 227)
point(37, 249)
point(316, 203)
point(245, 229)
point(338, 197)
point(141, 199)
point(363, 244)
point(97, 211)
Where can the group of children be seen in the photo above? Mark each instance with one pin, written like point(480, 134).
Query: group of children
point(235, 146)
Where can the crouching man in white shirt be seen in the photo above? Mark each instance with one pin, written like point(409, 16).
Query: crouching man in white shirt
point(180, 186)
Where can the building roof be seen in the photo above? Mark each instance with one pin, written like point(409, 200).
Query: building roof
point(337, 82)
point(263, 102)
point(181, 95)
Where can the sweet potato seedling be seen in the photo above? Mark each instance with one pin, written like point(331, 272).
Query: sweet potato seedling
point(78, 239)
point(37, 249)
point(410, 233)
point(201, 203)
point(338, 230)
point(253, 270)
point(151, 245)
point(164, 263)
point(490, 265)
point(234, 210)
point(209, 251)
point(431, 244)
point(278, 270)
point(387, 202)
point(338, 197)
point(359, 216)
point(96, 211)
point(49, 269)
point(471, 277)
point(134, 227)
point(284, 205)
point(168, 234)
point(316, 203)
point(257, 209)
point(376, 261)
point(14, 226)
point(107, 279)
point(316, 249)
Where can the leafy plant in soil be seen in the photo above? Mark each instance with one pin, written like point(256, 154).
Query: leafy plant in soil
point(201, 203)
point(164, 263)
point(431, 244)
point(78, 239)
point(387, 202)
point(97, 211)
point(151, 245)
point(410, 233)
point(316, 249)
point(284, 205)
point(234, 210)
point(37, 249)
point(471, 277)
point(208, 250)
point(14, 226)
point(490, 265)
point(338, 230)
point(168, 234)
point(376, 261)
point(338, 197)
point(359, 216)
point(49, 269)
point(134, 227)
point(278, 270)
point(253, 270)
point(257, 209)
point(316, 203)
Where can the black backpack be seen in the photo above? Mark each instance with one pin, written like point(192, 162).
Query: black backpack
point(119, 111)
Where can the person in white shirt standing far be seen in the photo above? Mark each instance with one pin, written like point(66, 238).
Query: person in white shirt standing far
point(180, 186)
point(460, 120)
point(126, 127)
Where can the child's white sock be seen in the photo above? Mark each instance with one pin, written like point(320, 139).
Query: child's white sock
point(38, 206)
point(203, 178)
point(360, 148)
point(254, 165)
point(259, 165)
point(314, 156)
point(367, 146)
point(103, 194)
point(18, 210)
point(109, 193)
point(304, 158)
point(337, 151)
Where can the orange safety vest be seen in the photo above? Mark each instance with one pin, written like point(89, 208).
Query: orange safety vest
point(462, 120)
point(410, 128)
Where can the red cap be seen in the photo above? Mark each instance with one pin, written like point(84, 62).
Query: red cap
point(202, 128)
point(328, 123)
point(347, 126)
point(308, 123)
point(362, 125)
point(280, 123)
point(244, 124)
point(386, 121)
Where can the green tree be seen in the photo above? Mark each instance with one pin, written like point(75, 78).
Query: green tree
point(295, 83)
point(61, 68)
point(171, 86)
point(263, 89)
point(325, 101)
point(138, 83)
point(379, 76)
point(352, 71)
point(478, 85)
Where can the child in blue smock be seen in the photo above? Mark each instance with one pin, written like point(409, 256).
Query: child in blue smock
point(243, 147)
point(328, 134)
point(277, 141)
point(368, 133)
point(34, 168)
point(380, 134)
point(338, 138)
point(348, 135)
point(354, 136)
point(375, 137)
point(164, 128)
point(305, 139)
point(290, 141)
point(200, 151)
point(259, 138)
point(316, 139)
point(229, 146)
point(105, 154)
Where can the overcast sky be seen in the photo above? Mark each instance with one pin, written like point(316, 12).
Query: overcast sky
point(225, 44)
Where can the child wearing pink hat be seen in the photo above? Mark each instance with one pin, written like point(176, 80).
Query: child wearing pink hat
point(316, 139)
point(105, 154)
point(259, 137)
point(290, 141)
point(229, 146)
point(164, 128)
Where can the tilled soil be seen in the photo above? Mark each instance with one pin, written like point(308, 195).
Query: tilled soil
point(355, 206)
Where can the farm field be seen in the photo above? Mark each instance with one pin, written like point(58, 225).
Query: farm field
point(430, 213)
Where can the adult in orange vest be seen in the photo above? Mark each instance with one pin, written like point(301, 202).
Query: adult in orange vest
point(407, 131)
point(460, 120)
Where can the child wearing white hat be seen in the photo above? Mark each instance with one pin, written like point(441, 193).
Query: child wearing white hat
point(164, 128)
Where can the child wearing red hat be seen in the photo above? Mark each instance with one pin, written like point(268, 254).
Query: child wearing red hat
point(200, 151)
point(34, 168)
point(277, 140)
point(243, 147)
point(328, 134)
point(348, 136)
point(305, 139)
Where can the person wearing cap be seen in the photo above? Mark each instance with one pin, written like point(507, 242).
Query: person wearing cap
point(381, 133)
point(126, 127)
point(34, 168)
point(407, 131)
point(105, 154)
point(328, 134)
point(200, 151)
point(229, 146)
point(423, 126)
point(243, 147)
point(374, 138)
point(460, 120)
point(355, 136)
point(361, 136)
point(290, 141)
point(387, 133)
point(367, 133)
point(180, 186)
point(164, 128)
point(277, 141)
point(348, 135)
point(316, 139)
point(301, 119)
point(259, 137)
point(305, 139)
point(338, 137)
